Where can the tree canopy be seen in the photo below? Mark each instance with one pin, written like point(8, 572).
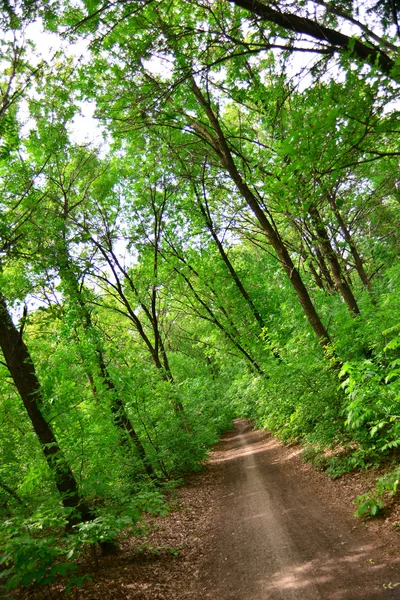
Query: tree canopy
point(198, 220)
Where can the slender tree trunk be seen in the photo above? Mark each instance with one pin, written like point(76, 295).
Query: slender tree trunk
point(322, 278)
point(120, 416)
point(317, 278)
point(215, 320)
point(222, 148)
point(349, 240)
point(330, 285)
point(92, 384)
point(244, 293)
point(114, 264)
point(340, 282)
point(313, 258)
point(208, 220)
point(22, 370)
point(11, 492)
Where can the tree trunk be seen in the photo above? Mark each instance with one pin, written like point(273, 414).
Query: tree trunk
point(22, 370)
point(244, 293)
point(317, 278)
point(120, 416)
point(338, 42)
point(213, 319)
point(153, 349)
point(340, 282)
point(330, 285)
point(207, 218)
point(11, 492)
point(222, 148)
point(323, 277)
point(349, 240)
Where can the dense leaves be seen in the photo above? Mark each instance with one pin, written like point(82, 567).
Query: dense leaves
point(197, 220)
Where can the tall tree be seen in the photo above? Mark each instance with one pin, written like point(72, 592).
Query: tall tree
point(23, 372)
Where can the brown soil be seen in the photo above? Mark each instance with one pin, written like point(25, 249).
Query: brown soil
point(257, 524)
point(286, 532)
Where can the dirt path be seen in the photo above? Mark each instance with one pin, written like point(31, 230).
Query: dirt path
point(257, 524)
point(274, 539)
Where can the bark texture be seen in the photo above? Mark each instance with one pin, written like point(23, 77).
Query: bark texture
point(22, 370)
point(339, 42)
point(222, 148)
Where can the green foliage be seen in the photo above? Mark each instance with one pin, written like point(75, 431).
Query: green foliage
point(371, 503)
point(32, 561)
point(368, 506)
point(37, 551)
point(31, 554)
point(99, 531)
point(140, 271)
point(9, 136)
point(372, 387)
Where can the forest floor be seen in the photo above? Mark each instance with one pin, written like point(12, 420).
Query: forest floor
point(257, 524)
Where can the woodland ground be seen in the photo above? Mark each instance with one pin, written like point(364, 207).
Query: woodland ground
point(257, 524)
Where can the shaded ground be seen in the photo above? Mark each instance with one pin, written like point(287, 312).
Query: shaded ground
point(258, 524)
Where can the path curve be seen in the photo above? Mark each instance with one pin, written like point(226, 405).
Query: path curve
point(273, 538)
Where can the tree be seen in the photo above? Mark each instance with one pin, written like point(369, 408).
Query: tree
point(330, 40)
point(22, 370)
point(237, 217)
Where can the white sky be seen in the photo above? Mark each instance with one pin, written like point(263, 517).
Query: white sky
point(84, 128)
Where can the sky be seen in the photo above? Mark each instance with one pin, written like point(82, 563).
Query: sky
point(84, 128)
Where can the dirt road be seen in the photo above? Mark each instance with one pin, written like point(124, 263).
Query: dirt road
point(273, 539)
point(254, 525)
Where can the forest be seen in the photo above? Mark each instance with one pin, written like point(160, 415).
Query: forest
point(199, 220)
